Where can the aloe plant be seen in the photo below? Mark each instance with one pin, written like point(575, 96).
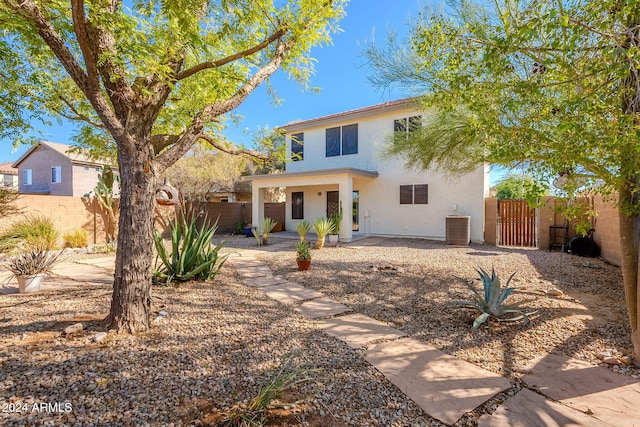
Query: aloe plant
point(322, 227)
point(36, 261)
point(303, 228)
point(490, 303)
point(192, 254)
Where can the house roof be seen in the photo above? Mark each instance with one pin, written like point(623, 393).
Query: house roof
point(7, 169)
point(398, 104)
point(321, 172)
point(69, 151)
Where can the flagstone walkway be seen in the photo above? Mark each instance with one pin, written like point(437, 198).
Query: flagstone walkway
point(559, 391)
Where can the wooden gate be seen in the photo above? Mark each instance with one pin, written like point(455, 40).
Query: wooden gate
point(516, 223)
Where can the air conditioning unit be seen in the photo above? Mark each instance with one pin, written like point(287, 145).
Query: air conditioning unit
point(458, 230)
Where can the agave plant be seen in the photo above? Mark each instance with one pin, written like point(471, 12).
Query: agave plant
point(192, 254)
point(490, 304)
point(303, 228)
point(322, 227)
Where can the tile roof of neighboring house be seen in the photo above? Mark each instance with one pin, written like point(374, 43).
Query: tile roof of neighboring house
point(358, 112)
point(7, 169)
point(64, 149)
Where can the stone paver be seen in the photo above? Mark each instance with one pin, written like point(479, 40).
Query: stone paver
point(256, 271)
point(609, 397)
point(321, 307)
point(290, 293)
point(444, 386)
point(529, 409)
point(260, 282)
point(358, 330)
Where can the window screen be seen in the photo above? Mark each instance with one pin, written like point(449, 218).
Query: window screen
point(421, 194)
point(297, 148)
point(406, 194)
point(350, 139)
point(333, 142)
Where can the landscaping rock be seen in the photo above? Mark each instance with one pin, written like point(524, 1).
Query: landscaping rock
point(100, 337)
point(73, 329)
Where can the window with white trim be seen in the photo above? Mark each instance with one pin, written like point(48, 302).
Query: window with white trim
point(414, 194)
point(27, 177)
point(341, 140)
point(56, 174)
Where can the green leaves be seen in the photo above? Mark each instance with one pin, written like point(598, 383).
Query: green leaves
point(192, 254)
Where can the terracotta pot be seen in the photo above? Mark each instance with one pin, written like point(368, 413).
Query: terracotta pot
point(28, 284)
point(304, 264)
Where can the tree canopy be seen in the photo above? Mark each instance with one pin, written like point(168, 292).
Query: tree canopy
point(148, 80)
point(551, 85)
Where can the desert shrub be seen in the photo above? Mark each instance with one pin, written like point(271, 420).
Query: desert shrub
point(192, 254)
point(33, 231)
point(76, 238)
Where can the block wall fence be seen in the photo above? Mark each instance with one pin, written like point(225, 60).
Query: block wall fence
point(69, 213)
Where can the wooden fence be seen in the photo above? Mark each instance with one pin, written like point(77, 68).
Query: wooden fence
point(517, 223)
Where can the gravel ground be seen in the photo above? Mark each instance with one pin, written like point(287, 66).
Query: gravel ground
point(218, 342)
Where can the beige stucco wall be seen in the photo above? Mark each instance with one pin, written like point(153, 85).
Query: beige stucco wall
point(40, 161)
point(380, 210)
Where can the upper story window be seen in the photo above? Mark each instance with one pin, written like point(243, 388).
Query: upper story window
point(27, 177)
point(342, 140)
point(406, 125)
point(297, 147)
point(56, 174)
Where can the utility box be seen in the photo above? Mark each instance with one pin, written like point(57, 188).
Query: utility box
point(458, 230)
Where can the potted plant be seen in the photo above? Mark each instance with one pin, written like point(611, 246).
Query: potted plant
point(335, 230)
point(30, 268)
point(303, 256)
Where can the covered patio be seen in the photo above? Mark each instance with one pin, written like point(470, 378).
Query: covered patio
point(344, 180)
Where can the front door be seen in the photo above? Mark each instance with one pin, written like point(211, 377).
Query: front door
point(333, 203)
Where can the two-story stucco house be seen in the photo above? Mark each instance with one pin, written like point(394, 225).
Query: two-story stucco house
point(8, 176)
point(337, 160)
point(56, 169)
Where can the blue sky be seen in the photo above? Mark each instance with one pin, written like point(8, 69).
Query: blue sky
point(339, 73)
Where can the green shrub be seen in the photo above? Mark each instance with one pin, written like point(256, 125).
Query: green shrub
point(490, 304)
point(303, 228)
point(192, 254)
point(322, 227)
point(29, 233)
point(76, 238)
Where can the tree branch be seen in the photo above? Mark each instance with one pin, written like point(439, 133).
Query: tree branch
point(220, 62)
point(29, 11)
point(78, 115)
point(89, 55)
point(233, 149)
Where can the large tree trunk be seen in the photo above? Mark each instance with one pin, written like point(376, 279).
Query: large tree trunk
point(629, 236)
point(131, 301)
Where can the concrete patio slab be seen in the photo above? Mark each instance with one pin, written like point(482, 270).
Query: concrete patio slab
point(444, 386)
point(290, 293)
point(83, 273)
point(103, 262)
point(529, 409)
point(358, 330)
point(321, 307)
point(607, 396)
point(260, 282)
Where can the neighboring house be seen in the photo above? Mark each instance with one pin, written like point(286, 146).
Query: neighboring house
point(338, 159)
point(8, 176)
point(52, 168)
